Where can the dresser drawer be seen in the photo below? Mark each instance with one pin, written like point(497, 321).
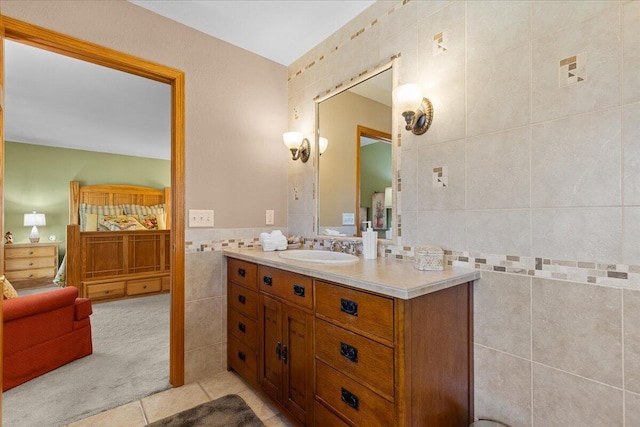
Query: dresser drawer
point(145, 286)
point(243, 328)
point(363, 359)
point(242, 359)
point(325, 417)
point(105, 290)
point(31, 252)
point(242, 272)
point(29, 263)
point(358, 310)
point(243, 300)
point(37, 273)
point(292, 287)
point(353, 401)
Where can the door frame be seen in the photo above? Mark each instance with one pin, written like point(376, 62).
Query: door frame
point(43, 38)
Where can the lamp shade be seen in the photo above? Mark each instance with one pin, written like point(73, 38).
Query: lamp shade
point(408, 97)
point(323, 144)
point(388, 197)
point(292, 139)
point(31, 219)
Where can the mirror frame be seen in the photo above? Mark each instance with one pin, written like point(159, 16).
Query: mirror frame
point(395, 151)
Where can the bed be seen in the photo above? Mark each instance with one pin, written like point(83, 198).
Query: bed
point(119, 260)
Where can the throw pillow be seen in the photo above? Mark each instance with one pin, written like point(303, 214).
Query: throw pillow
point(8, 291)
point(150, 221)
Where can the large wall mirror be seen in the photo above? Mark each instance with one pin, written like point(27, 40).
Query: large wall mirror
point(356, 169)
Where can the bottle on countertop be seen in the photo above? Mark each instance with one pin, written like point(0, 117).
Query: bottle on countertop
point(369, 242)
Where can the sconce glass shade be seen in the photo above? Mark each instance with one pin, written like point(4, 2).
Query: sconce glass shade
point(408, 97)
point(322, 145)
point(292, 140)
point(388, 197)
point(298, 145)
point(33, 220)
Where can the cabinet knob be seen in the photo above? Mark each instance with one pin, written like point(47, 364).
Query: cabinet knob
point(349, 307)
point(144, 287)
point(30, 264)
point(267, 280)
point(107, 292)
point(242, 327)
point(349, 352)
point(298, 290)
point(241, 356)
point(285, 354)
point(242, 299)
point(30, 252)
point(241, 272)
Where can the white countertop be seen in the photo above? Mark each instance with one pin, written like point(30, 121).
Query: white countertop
point(386, 276)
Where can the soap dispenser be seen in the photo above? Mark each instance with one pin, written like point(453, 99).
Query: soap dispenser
point(369, 242)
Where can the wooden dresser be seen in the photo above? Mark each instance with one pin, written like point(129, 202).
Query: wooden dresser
point(28, 265)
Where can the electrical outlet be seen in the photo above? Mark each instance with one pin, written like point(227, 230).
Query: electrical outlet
point(270, 217)
point(200, 218)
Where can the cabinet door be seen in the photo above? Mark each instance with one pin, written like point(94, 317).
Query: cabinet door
point(272, 347)
point(297, 361)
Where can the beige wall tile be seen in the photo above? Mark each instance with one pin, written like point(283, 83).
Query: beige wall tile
point(631, 152)
point(495, 27)
point(407, 173)
point(442, 228)
point(549, 16)
point(410, 229)
point(561, 399)
point(632, 341)
point(499, 92)
point(502, 313)
point(631, 52)
point(203, 323)
point(597, 38)
point(576, 161)
point(631, 236)
point(504, 231)
point(450, 154)
point(502, 386)
point(632, 409)
point(498, 170)
point(578, 328)
point(577, 234)
point(203, 277)
point(204, 362)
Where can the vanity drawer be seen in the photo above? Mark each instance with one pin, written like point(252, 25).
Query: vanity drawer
point(242, 272)
point(105, 290)
point(243, 300)
point(146, 286)
point(363, 359)
point(355, 309)
point(325, 417)
point(355, 402)
point(292, 287)
point(242, 359)
point(242, 328)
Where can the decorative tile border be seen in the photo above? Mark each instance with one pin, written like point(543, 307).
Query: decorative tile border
point(334, 48)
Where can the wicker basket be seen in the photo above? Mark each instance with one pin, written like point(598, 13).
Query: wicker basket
point(429, 258)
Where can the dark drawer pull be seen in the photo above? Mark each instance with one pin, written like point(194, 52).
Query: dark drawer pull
point(241, 272)
point(349, 352)
point(242, 299)
point(285, 354)
point(242, 327)
point(267, 280)
point(349, 307)
point(350, 399)
point(298, 290)
point(243, 356)
point(279, 350)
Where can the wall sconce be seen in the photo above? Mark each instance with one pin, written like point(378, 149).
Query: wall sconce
point(322, 145)
point(33, 220)
point(416, 110)
point(299, 146)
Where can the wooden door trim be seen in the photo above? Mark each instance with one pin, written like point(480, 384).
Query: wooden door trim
point(43, 38)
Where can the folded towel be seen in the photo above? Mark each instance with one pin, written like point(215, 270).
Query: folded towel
point(330, 232)
point(274, 241)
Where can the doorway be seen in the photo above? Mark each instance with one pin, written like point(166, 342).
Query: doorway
point(59, 43)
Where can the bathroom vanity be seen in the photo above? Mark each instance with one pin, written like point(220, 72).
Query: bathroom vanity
point(374, 343)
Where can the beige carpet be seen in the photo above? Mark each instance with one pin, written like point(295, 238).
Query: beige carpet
point(130, 360)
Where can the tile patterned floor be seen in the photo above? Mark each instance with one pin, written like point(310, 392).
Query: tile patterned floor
point(168, 402)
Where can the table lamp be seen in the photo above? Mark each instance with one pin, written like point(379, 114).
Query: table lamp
point(33, 220)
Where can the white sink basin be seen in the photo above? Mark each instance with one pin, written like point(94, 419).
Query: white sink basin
point(320, 257)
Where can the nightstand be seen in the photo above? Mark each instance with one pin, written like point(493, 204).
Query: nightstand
point(28, 265)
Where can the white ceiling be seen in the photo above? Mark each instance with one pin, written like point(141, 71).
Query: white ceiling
point(59, 101)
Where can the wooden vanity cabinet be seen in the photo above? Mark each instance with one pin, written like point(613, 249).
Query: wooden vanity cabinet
point(286, 341)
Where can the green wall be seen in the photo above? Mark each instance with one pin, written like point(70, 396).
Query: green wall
point(375, 173)
point(36, 178)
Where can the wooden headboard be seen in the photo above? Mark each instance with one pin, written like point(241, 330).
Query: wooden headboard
point(116, 194)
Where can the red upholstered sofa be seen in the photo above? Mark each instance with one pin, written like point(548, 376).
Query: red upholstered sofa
point(43, 332)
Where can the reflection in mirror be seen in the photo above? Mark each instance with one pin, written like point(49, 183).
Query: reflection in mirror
point(356, 168)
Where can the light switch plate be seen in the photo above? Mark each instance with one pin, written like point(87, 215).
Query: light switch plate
point(270, 217)
point(348, 219)
point(200, 218)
